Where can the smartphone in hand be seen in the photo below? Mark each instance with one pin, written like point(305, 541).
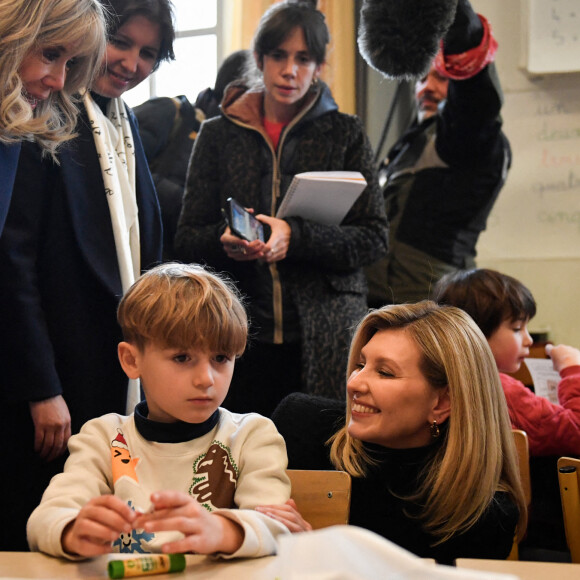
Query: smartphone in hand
point(242, 223)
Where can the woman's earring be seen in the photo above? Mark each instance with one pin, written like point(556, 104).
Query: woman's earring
point(314, 81)
point(434, 429)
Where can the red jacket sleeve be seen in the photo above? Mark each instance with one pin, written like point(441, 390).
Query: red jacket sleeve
point(552, 429)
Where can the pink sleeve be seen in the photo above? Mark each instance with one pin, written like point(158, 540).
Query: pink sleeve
point(552, 429)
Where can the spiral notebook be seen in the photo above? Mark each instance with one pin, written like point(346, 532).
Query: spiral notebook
point(322, 196)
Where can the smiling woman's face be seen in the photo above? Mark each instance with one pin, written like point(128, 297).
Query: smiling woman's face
point(392, 402)
point(131, 55)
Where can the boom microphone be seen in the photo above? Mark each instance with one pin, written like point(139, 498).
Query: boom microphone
point(399, 38)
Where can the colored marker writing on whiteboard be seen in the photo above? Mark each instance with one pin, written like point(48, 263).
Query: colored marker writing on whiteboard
point(146, 565)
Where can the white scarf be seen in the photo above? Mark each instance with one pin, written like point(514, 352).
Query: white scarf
point(116, 150)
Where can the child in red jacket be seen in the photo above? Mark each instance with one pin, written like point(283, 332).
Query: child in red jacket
point(502, 307)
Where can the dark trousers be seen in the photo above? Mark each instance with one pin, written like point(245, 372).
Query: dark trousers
point(263, 376)
point(23, 477)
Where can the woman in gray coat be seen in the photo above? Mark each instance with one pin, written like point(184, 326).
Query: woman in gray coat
point(305, 287)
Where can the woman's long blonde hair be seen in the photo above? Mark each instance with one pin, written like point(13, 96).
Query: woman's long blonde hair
point(477, 456)
point(31, 25)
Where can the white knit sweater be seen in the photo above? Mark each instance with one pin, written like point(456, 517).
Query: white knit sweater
point(239, 464)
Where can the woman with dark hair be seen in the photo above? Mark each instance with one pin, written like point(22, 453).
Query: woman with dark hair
point(305, 285)
point(79, 231)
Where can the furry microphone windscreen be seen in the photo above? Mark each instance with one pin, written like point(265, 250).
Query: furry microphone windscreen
point(399, 38)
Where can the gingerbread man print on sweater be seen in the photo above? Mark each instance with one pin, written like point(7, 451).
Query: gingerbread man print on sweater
point(215, 478)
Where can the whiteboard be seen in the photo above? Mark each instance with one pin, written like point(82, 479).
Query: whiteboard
point(551, 35)
point(537, 213)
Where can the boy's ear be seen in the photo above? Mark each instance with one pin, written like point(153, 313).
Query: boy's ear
point(442, 407)
point(129, 359)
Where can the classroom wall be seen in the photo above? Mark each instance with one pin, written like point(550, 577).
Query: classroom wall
point(534, 230)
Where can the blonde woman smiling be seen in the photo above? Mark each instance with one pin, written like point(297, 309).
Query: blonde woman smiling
point(426, 438)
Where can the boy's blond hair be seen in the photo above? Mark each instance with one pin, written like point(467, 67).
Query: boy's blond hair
point(184, 306)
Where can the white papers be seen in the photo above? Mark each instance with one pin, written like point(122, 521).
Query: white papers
point(352, 553)
point(322, 196)
point(544, 377)
point(550, 36)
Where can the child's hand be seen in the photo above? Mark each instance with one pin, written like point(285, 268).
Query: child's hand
point(205, 533)
point(288, 515)
point(99, 523)
point(563, 356)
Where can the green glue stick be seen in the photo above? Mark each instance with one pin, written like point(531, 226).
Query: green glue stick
point(145, 565)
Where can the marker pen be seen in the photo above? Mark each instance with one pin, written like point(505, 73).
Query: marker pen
point(145, 565)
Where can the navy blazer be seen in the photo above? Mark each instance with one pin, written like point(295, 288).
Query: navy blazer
point(60, 283)
point(8, 163)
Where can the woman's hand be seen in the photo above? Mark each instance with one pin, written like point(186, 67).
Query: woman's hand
point(286, 514)
point(241, 250)
point(277, 246)
point(205, 532)
point(52, 428)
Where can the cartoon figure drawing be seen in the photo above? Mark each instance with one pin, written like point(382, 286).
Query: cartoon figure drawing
point(122, 462)
point(123, 465)
point(215, 479)
point(132, 542)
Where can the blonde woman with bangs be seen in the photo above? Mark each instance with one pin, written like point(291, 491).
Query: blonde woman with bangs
point(49, 50)
point(427, 437)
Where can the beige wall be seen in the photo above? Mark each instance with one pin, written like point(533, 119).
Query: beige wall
point(552, 269)
point(543, 253)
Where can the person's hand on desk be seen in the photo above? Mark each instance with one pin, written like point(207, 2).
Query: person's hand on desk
point(99, 522)
point(563, 356)
point(205, 532)
point(286, 514)
point(239, 249)
point(279, 241)
point(52, 428)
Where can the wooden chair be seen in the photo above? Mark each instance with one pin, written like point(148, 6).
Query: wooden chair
point(569, 479)
point(521, 441)
point(322, 497)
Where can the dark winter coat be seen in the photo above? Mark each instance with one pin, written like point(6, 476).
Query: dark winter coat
point(321, 278)
point(8, 163)
point(59, 290)
point(60, 282)
point(168, 128)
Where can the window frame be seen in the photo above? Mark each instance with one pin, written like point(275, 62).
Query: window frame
point(218, 30)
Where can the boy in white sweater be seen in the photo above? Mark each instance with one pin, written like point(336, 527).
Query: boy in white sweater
point(168, 477)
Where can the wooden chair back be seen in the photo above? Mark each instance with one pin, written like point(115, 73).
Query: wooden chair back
point(322, 497)
point(521, 441)
point(522, 448)
point(569, 479)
